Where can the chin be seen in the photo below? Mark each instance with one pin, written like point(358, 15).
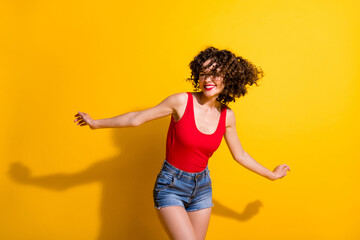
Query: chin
point(211, 93)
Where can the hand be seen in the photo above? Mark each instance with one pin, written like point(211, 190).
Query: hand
point(281, 171)
point(84, 119)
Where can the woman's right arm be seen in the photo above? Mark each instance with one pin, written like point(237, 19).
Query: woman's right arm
point(132, 119)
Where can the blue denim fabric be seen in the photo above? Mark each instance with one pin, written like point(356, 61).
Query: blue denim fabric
point(174, 187)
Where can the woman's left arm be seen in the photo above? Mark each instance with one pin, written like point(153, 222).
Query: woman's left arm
point(243, 158)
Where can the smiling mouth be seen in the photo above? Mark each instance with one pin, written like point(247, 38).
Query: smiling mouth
point(209, 87)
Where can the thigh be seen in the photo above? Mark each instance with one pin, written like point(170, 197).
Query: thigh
point(176, 223)
point(200, 220)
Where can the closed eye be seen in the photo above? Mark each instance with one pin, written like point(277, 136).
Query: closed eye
point(203, 74)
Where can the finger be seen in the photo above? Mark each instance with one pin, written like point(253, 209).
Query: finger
point(83, 124)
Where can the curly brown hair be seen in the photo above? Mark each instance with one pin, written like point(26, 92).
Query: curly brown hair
point(238, 72)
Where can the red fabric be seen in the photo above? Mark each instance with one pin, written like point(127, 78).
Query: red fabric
point(186, 147)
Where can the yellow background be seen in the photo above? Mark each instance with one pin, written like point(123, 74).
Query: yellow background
point(105, 58)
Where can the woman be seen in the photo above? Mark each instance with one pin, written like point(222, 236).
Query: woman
point(183, 192)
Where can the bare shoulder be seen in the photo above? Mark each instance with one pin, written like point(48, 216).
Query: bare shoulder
point(177, 99)
point(230, 117)
point(181, 96)
point(178, 102)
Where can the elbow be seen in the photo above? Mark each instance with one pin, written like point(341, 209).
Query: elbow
point(135, 121)
point(134, 124)
point(241, 157)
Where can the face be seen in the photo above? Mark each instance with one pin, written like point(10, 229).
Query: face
point(210, 85)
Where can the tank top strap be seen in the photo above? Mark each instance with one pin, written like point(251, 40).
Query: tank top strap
point(222, 124)
point(190, 100)
point(190, 107)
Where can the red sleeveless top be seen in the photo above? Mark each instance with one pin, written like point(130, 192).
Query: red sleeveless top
point(186, 147)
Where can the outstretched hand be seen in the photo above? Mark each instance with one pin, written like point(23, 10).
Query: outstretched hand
point(84, 119)
point(281, 171)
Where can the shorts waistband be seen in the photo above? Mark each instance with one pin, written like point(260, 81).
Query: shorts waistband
point(180, 173)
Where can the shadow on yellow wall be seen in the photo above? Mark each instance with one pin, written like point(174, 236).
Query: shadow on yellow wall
point(125, 179)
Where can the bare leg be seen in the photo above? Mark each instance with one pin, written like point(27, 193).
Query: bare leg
point(200, 221)
point(176, 223)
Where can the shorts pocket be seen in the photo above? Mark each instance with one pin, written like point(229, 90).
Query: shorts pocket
point(164, 180)
point(208, 181)
point(208, 176)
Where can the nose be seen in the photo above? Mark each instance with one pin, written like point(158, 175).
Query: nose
point(208, 78)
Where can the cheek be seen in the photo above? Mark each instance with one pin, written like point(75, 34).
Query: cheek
point(222, 87)
point(201, 83)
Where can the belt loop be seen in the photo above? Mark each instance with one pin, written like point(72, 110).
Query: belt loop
point(179, 175)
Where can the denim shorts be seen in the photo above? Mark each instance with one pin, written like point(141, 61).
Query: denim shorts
point(174, 187)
